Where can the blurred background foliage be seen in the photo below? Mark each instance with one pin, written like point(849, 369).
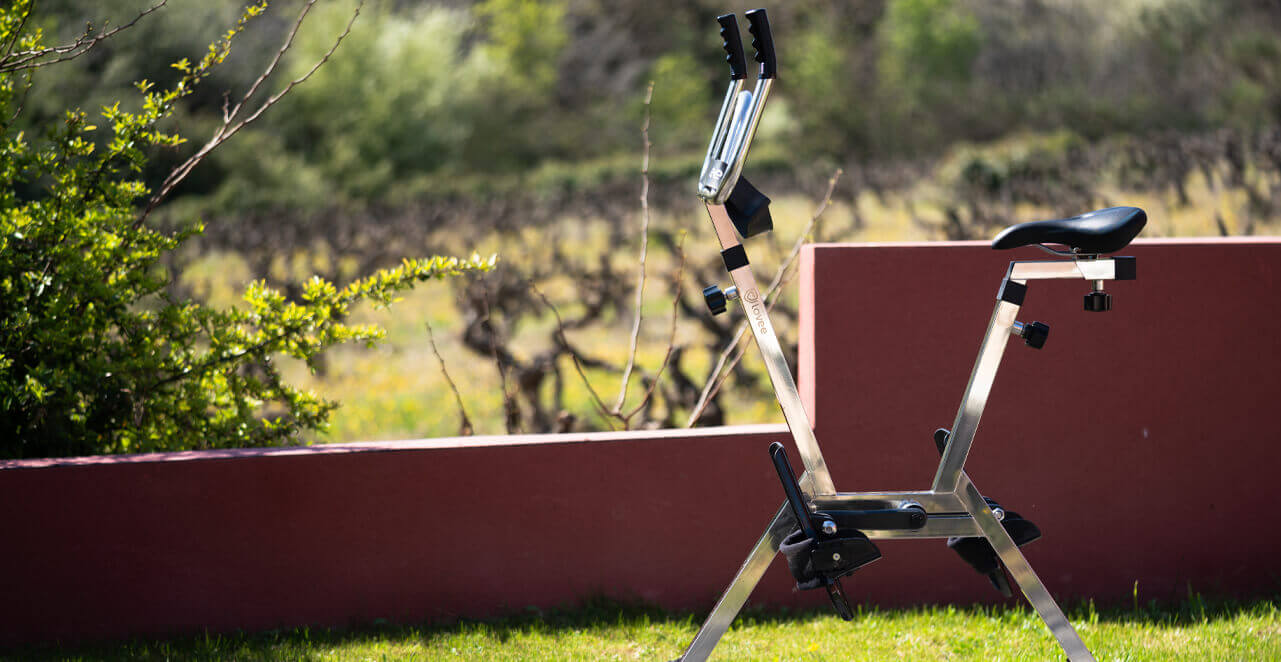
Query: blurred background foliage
point(514, 126)
point(428, 98)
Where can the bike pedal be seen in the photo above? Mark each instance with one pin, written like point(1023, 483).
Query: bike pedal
point(816, 562)
point(841, 556)
point(979, 554)
point(1000, 582)
point(815, 555)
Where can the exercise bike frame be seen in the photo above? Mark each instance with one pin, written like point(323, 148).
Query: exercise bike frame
point(955, 507)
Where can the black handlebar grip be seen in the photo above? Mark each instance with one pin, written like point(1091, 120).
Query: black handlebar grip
point(763, 42)
point(733, 45)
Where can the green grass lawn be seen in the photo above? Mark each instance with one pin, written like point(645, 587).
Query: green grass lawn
point(1193, 630)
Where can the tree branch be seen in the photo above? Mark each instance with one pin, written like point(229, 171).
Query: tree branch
point(573, 355)
point(640, 281)
point(511, 408)
point(465, 427)
point(10, 61)
point(671, 336)
point(17, 33)
point(230, 126)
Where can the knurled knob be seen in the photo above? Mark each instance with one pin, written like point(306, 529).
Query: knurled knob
point(1098, 302)
point(1035, 334)
point(715, 299)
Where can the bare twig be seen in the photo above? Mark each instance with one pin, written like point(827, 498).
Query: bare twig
point(564, 342)
point(640, 279)
point(22, 104)
point(724, 363)
point(230, 124)
point(32, 59)
point(511, 408)
point(671, 336)
point(713, 380)
point(465, 426)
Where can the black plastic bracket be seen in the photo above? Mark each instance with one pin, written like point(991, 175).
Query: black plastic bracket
point(1127, 267)
point(1012, 292)
point(748, 208)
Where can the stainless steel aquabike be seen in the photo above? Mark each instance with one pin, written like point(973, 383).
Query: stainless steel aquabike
point(985, 534)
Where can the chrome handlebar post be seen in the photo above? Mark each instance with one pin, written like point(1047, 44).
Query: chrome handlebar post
point(707, 185)
point(735, 127)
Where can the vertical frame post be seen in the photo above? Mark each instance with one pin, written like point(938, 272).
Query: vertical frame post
point(978, 389)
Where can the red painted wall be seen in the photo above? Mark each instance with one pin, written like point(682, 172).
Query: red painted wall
point(402, 531)
point(1139, 440)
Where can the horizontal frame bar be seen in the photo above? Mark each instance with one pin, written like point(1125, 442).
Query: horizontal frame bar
point(941, 502)
point(1098, 269)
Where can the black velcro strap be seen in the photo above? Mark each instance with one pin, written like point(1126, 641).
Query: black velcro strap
point(734, 257)
point(796, 549)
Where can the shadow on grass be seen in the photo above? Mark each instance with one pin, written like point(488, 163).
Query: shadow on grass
point(598, 614)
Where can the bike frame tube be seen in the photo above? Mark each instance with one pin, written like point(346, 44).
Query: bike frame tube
point(975, 398)
point(789, 398)
point(1024, 576)
point(737, 156)
point(717, 144)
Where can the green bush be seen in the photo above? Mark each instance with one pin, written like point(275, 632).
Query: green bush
point(421, 92)
point(928, 49)
point(95, 355)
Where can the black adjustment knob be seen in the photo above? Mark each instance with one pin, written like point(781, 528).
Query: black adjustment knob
point(715, 299)
point(1098, 302)
point(1035, 334)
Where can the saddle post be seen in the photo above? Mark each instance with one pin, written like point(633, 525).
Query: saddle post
point(825, 534)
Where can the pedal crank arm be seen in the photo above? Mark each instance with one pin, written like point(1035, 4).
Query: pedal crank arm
point(792, 490)
point(842, 605)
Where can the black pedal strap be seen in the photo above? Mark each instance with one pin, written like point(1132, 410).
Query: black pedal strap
point(796, 549)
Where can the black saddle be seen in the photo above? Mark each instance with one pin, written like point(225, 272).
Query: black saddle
point(1102, 231)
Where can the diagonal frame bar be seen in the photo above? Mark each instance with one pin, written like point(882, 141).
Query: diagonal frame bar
point(1023, 575)
point(789, 397)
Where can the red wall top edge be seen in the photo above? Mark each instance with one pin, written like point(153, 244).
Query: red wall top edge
point(479, 441)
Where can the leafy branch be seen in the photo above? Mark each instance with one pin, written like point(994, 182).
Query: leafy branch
point(232, 121)
point(32, 56)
